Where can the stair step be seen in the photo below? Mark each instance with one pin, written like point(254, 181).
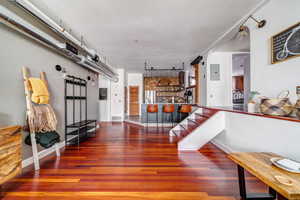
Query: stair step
point(192, 126)
point(193, 121)
point(202, 115)
point(184, 127)
point(188, 127)
point(197, 120)
point(200, 120)
point(180, 133)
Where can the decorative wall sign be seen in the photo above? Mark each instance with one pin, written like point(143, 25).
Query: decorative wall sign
point(286, 44)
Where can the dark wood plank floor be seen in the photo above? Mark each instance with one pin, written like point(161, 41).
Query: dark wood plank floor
point(126, 162)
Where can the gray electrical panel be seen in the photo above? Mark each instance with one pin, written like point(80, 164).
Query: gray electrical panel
point(214, 72)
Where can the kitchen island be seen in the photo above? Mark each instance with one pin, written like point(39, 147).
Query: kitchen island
point(167, 117)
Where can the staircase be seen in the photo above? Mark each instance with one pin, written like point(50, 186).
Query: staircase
point(198, 129)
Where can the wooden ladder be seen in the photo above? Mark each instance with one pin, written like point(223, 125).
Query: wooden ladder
point(29, 109)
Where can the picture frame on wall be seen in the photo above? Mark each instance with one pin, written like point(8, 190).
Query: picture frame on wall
point(102, 93)
point(286, 44)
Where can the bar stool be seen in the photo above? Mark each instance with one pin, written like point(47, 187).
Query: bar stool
point(184, 109)
point(168, 109)
point(152, 108)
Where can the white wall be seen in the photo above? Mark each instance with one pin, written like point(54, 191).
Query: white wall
point(104, 105)
point(219, 93)
point(117, 97)
point(246, 133)
point(136, 79)
point(203, 81)
point(267, 78)
point(18, 51)
point(112, 109)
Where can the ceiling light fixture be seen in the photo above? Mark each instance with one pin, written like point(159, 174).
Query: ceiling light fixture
point(148, 67)
point(244, 30)
point(260, 24)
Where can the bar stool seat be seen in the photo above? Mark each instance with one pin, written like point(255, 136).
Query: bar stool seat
point(168, 109)
point(184, 109)
point(152, 108)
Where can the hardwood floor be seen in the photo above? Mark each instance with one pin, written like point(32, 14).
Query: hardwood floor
point(126, 162)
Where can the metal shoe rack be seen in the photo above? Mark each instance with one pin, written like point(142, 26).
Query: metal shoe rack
point(77, 126)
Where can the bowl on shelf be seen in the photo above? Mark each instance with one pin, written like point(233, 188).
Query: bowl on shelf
point(280, 106)
point(297, 108)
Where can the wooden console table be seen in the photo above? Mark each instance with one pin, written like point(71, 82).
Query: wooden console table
point(259, 165)
point(10, 153)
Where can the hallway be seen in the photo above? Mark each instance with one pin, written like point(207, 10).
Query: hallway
point(126, 162)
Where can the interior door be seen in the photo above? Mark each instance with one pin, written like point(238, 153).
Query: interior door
point(134, 105)
point(126, 100)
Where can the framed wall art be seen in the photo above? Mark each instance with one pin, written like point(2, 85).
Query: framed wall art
point(286, 44)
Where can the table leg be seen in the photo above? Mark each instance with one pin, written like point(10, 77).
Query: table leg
point(272, 192)
point(1, 192)
point(280, 197)
point(242, 183)
point(243, 190)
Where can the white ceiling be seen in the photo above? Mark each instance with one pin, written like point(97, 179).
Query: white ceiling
point(163, 32)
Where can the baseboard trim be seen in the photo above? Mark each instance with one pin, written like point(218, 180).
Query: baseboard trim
point(29, 161)
point(166, 125)
point(222, 146)
point(133, 123)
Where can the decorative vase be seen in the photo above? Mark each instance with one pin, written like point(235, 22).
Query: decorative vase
point(252, 107)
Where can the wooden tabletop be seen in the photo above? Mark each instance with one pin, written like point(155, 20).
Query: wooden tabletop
point(6, 132)
point(259, 165)
point(10, 130)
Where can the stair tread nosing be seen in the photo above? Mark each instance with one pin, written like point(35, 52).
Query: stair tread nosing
point(193, 121)
point(180, 132)
point(200, 120)
point(203, 115)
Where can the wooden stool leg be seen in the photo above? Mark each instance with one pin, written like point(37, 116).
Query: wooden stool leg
point(162, 119)
point(157, 120)
point(147, 121)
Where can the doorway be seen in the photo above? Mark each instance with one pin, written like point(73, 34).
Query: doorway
point(240, 79)
point(134, 104)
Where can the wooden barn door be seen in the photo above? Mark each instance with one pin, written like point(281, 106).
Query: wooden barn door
point(134, 105)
